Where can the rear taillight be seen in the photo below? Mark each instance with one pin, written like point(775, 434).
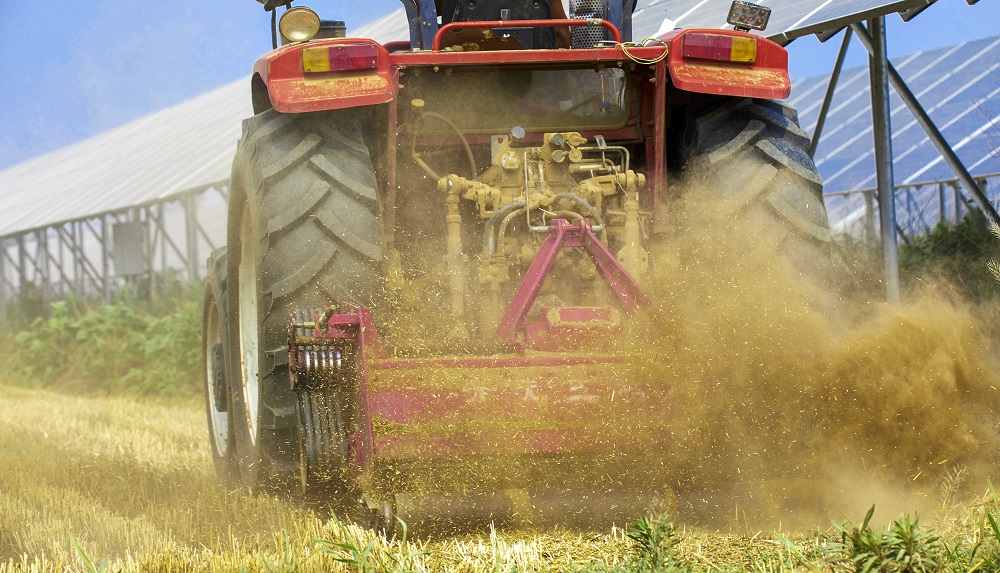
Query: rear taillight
point(719, 47)
point(340, 58)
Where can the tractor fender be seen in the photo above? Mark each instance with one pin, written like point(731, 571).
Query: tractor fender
point(292, 90)
point(767, 77)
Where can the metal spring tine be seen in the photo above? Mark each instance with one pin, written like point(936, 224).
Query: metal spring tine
point(340, 358)
point(308, 362)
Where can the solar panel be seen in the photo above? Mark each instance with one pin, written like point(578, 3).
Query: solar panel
point(790, 19)
point(958, 86)
point(959, 89)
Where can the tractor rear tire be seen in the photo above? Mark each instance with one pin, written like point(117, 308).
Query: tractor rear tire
point(215, 347)
point(305, 232)
point(324, 436)
point(754, 156)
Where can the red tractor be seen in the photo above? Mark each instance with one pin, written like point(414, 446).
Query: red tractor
point(434, 247)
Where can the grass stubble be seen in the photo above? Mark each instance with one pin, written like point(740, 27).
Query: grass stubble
point(792, 406)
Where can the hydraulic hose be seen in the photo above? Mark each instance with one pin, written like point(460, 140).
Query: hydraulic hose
point(416, 156)
point(501, 212)
point(590, 209)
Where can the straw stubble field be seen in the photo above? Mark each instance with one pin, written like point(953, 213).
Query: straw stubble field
point(89, 478)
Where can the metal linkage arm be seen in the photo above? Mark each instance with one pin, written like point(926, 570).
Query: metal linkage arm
point(564, 235)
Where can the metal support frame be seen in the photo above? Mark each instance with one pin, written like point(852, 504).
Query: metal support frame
point(77, 256)
point(830, 89)
point(878, 64)
point(944, 194)
point(904, 93)
point(191, 234)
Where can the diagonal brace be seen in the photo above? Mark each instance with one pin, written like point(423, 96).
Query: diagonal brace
point(932, 131)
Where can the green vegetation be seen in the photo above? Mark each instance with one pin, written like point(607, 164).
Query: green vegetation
point(961, 254)
point(127, 346)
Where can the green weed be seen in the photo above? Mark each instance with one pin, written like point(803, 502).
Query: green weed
point(654, 545)
point(88, 564)
point(960, 253)
point(903, 548)
point(110, 349)
point(375, 556)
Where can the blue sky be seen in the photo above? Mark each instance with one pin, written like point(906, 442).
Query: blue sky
point(71, 69)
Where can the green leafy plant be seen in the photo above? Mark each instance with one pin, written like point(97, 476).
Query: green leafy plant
point(960, 253)
point(88, 564)
point(110, 348)
point(903, 548)
point(795, 556)
point(375, 555)
point(654, 543)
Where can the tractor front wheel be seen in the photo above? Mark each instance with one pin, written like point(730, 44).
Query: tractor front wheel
point(218, 396)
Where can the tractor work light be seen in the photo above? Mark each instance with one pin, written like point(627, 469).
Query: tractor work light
point(340, 58)
point(299, 24)
point(720, 48)
point(745, 16)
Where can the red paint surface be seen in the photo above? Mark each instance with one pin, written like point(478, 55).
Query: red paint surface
point(549, 23)
point(767, 77)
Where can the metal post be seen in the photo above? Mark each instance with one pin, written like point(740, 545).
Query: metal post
point(957, 191)
point(882, 130)
point(931, 130)
point(106, 259)
point(61, 259)
point(21, 262)
point(3, 285)
point(78, 241)
point(161, 225)
point(941, 202)
point(42, 263)
point(869, 223)
point(191, 236)
point(832, 87)
point(148, 212)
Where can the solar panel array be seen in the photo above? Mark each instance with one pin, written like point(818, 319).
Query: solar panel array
point(958, 86)
point(190, 145)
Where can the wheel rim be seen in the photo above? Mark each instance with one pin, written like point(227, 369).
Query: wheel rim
point(218, 413)
point(248, 323)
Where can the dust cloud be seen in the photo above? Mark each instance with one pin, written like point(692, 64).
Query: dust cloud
point(795, 403)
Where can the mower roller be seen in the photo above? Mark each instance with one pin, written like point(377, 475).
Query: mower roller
point(442, 256)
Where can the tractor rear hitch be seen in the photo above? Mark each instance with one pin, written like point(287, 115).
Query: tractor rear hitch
point(562, 234)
